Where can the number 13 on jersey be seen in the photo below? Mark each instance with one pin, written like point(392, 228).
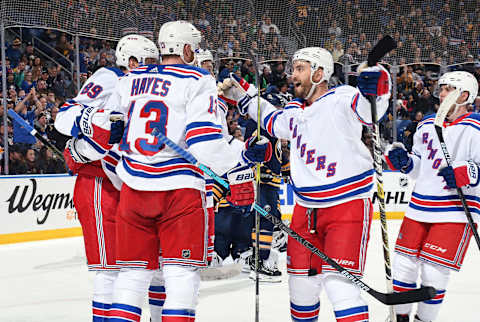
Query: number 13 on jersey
point(142, 141)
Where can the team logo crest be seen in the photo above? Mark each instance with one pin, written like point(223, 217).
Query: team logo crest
point(186, 253)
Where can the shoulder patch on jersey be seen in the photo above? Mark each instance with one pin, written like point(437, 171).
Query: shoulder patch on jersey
point(116, 70)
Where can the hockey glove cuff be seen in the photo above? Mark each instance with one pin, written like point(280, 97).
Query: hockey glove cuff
point(461, 173)
point(72, 157)
point(373, 81)
point(398, 158)
point(257, 151)
point(242, 191)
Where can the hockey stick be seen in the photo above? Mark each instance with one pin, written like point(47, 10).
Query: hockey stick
point(385, 45)
point(439, 118)
point(417, 295)
point(257, 215)
point(17, 118)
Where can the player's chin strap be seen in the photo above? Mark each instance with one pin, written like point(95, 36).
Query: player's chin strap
point(193, 60)
point(449, 101)
point(314, 84)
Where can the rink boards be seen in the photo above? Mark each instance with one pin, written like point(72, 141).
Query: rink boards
point(41, 207)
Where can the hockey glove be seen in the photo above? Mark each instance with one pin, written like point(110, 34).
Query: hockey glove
point(72, 157)
point(398, 158)
point(257, 151)
point(242, 192)
point(83, 123)
point(373, 81)
point(116, 128)
point(461, 173)
point(237, 91)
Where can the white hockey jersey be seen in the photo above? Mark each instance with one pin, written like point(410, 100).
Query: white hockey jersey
point(328, 161)
point(430, 201)
point(94, 93)
point(180, 101)
point(222, 110)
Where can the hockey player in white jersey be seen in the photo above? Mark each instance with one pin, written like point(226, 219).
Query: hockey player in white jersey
point(434, 235)
point(162, 202)
point(331, 174)
point(94, 158)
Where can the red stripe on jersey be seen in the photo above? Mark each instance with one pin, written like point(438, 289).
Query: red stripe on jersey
point(337, 191)
point(444, 203)
point(200, 131)
point(154, 169)
point(183, 71)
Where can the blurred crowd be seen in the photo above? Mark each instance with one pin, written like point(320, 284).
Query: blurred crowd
point(433, 37)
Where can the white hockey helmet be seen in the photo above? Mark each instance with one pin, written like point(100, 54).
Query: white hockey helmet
point(318, 58)
point(463, 81)
point(136, 46)
point(174, 35)
point(204, 55)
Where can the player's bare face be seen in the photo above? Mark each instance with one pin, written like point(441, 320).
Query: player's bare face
point(301, 78)
point(208, 65)
point(444, 91)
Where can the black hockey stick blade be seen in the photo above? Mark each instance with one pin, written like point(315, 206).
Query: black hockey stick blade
point(385, 45)
point(423, 293)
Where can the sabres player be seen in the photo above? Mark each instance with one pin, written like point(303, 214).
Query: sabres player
point(162, 201)
point(331, 174)
point(434, 235)
point(93, 159)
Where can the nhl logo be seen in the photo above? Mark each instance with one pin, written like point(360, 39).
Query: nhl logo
point(403, 182)
point(186, 253)
point(267, 208)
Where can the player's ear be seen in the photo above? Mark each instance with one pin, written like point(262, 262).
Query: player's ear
point(317, 75)
point(188, 53)
point(463, 97)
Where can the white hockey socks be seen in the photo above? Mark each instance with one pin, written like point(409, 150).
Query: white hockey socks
point(156, 296)
point(438, 277)
point(182, 285)
point(129, 294)
point(345, 297)
point(405, 275)
point(102, 294)
point(304, 297)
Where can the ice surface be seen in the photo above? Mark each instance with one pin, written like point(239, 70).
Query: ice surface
point(48, 281)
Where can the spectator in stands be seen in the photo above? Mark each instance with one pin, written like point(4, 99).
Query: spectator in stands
point(30, 158)
point(337, 51)
point(278, 75)
point(21, 137)
point(267, 25)
point(19, 74)
point(11, 80)
point(226, 70)
point(28, 83)
point(14, 52)
point(410, 131)
point(57, 138)
point(16, 164)
point(49, 163)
